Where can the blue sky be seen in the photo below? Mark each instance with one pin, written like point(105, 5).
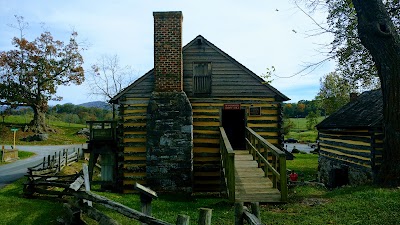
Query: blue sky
point(258, 35)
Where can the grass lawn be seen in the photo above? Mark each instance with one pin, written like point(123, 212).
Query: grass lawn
point(65, 132)
point(300, 132)
point(21, 155)
point(307, 205)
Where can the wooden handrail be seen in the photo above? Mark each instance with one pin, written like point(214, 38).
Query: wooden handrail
point(261, 149)
point(228, 164)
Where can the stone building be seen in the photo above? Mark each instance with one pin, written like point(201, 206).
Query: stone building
point(170, 117)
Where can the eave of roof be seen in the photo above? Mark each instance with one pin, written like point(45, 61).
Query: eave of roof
point(255, 76)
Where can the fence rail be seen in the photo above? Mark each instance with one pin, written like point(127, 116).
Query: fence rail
point(228, 164)
point(53, 164)
point(270, 158)
point(76, 187)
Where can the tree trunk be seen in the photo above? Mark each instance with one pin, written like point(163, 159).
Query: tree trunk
point(38, 124)
point(379, 36)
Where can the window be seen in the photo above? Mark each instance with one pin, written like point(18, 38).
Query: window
point(202, 78)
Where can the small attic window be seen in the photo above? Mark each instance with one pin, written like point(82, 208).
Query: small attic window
point(202, 78)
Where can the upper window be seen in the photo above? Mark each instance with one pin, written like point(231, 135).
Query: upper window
point(202, 78)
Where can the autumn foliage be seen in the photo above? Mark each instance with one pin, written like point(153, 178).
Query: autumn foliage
point(31, 72)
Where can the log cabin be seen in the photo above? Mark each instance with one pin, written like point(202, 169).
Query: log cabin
point(170, 117)
point(351, 142)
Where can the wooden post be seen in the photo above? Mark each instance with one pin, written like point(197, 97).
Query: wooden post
point(231, 177)
point(44, 161)
point(283, 178)
point(87, 182)
point(205, 216)
point(59, 161)
point(146, 196)
point(239, 213)
point(48, 161)
point(52, 161)
point(255, 209)
point(66, 157)
point(182, 220)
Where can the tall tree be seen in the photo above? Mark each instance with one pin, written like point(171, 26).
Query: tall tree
point(334, 92)
point(30, 73)
point(107, 77)
point(379, 35)
point(377, 24)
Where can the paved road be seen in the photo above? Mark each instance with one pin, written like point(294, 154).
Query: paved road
point(301, 147)
point(13, 171)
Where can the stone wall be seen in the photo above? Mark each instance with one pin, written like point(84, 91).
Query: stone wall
point(169, 148)
point(333, 173)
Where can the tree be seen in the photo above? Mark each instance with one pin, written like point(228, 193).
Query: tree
point(30, 73)
point(334, 92)
point(379, 35)
point(107, 78)
point(312, 119)
point(378, 31)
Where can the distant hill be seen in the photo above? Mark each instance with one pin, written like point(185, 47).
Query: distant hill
point(96, 104)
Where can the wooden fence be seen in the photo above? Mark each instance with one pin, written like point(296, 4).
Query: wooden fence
point(77, 186)
point(228, 164)
point(270, 158)
point(53, 164)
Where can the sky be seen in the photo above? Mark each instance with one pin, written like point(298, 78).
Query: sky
point(260, 34)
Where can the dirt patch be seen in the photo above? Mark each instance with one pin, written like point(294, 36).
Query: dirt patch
point(314, 201)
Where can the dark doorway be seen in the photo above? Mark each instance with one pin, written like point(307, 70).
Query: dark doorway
point(340, 176)
point(234, 124)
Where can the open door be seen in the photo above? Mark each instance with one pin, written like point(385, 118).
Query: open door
point(234, 123)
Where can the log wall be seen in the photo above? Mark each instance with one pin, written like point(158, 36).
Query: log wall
point(359, 148)
point(206, 123)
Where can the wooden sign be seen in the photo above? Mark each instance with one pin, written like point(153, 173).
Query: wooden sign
point(255, 111)
point(231, 106)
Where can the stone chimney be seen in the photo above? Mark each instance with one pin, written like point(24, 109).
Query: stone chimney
point(168, 69)
point(169, 120)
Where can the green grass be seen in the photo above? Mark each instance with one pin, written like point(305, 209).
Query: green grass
point(300, 132)
point(21, 155)
point(305, 165)
point(307, 205)
point(65, 132)
point(14, 209)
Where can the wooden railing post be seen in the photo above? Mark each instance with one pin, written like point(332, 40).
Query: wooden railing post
point(283, 181)
point(231, 176)
point(239, 213)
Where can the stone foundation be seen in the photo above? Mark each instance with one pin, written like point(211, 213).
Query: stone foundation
point(169, 148)
point(334, 173)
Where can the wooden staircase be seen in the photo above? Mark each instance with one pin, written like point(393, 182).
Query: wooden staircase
point(250, 183)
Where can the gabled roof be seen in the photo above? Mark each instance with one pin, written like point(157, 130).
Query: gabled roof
point(364, 112)
point(228, 57)
point(231, 59)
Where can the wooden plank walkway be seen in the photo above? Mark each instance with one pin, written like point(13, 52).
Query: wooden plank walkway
point(251, 185)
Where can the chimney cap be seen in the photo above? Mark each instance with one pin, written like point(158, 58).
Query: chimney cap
point(168, 14)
